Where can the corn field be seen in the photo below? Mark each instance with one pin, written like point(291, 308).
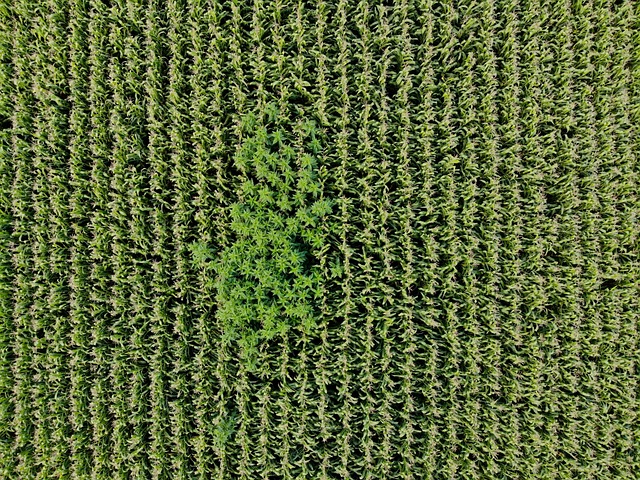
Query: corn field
point(296, 239)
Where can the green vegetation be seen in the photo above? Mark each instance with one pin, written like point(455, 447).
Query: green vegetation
point(265, 281)
point(319, 240)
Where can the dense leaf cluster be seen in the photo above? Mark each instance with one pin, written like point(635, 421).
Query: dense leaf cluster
point(267, 280)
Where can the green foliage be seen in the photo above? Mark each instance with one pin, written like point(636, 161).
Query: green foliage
point(224, 431)
point(312, 240)
point(201, 254)
point(267, 277)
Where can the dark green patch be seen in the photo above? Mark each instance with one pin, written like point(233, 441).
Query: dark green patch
point(267, 277)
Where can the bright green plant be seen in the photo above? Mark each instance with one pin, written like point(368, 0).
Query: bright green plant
point(267, 278)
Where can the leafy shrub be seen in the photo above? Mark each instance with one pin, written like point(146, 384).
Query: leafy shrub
point(267, 279)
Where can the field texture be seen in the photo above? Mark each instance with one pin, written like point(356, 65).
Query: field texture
point(322, 239)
